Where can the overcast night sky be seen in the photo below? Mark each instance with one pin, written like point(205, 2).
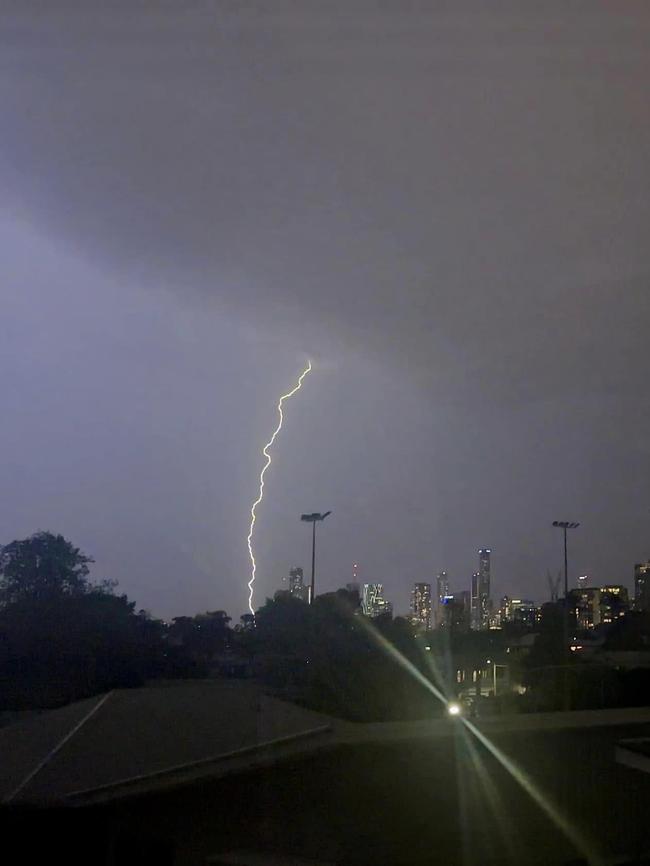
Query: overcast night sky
point(443, 204)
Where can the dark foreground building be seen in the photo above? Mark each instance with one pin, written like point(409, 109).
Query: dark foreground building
point(211, 773)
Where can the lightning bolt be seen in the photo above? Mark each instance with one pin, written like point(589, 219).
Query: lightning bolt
point(267, 455)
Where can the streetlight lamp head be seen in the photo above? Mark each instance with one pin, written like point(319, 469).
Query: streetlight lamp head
point(314, 516)
point(566, 524)
point(453, 708)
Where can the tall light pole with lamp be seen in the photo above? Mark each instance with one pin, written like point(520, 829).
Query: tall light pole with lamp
point(565, 525)
point(313, 518)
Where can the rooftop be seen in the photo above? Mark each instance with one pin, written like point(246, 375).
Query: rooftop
point(129, 738)
point(133, 741)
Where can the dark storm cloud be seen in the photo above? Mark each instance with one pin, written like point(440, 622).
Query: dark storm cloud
point(454, 194)
point(462, 188)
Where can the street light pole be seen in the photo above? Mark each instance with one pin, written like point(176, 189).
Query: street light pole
point(564, 525)
point(566, 568)
point(313, 518)
point(313, 561)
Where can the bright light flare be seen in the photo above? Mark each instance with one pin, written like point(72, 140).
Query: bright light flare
point(573, 834)
point(267, 455)
point(454, 710)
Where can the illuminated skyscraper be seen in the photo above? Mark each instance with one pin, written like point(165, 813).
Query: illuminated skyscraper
point(642, 586)
point(614, 603)
point(442, 591)
point(297, 586)
point(524, 611)
point(484, 589)
point(368, 598)
point(480, 597)
point(505, 610)
point(475, 603)
point(421, 605)
point(373, 603)
point(585, 603)
point(295, 579)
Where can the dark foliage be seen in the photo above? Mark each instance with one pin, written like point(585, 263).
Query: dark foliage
point(62, 637)
point(330, 658)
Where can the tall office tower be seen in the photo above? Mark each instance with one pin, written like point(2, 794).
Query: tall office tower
point(642, 586)
point(484, 601)
point(475, 603)
point(373, 603)
point(295, 579)
point(442, 591)
point(505, 610)
point(421, 605)
point(370, 593)
point(297, 586)
point(585, 604)
point(614, 602)
point(442, 585)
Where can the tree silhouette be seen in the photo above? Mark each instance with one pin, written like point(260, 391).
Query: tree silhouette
point(40, 567)
point(63, 637)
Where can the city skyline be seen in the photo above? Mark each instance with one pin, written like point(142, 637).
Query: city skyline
point(636, 588)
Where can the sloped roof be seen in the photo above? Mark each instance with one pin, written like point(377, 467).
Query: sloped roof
point(139, 737)
point(138, 740)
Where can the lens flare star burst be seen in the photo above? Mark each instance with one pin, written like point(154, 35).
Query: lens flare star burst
point(267, 455)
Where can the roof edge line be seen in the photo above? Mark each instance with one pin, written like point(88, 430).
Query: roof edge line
point(57, 748)
point(202, 762)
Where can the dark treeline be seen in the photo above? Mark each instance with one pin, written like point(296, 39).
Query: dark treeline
point(63, 637)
